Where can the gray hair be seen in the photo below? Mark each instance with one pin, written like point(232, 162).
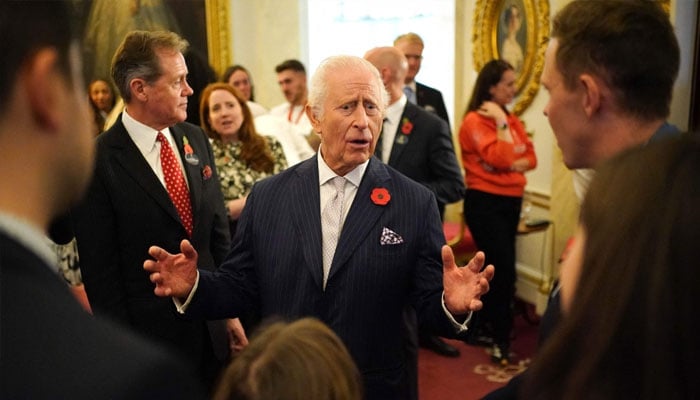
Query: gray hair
point(319, 82)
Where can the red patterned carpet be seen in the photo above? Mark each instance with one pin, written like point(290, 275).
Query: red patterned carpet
point(472, 374)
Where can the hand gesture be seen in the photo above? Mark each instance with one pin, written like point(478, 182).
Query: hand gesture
point(492, 110)
point(464, 286)
point(520, 165)
point(173, 274)
point(237, 338)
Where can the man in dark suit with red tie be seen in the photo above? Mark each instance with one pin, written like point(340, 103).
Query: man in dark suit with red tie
point(411, 45)
point(389, 253)
point(155, 182)
point(50, 347)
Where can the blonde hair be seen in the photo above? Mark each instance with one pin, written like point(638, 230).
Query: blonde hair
point(409, 37)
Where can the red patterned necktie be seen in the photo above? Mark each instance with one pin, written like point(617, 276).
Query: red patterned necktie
point(175, 183)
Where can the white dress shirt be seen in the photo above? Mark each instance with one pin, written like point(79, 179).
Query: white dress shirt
point(145, 139)
point(392, 120)
point(352, 182)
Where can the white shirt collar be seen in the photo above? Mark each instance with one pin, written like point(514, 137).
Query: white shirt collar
point(394, 110)
point(143, 135)
point(325, 173)
point(30, 237)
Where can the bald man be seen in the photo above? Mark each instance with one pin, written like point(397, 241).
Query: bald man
point(418, 144)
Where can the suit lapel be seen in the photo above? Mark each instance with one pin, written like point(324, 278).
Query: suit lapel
point(401, 139)
point(305, 208)
point(420, 94)
point(131, 160)
point(192, 168)
point(363, 215)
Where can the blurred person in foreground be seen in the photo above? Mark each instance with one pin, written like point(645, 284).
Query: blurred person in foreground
point(631, 281)
point(597, 105)
point(299, 360)
point(49, 346)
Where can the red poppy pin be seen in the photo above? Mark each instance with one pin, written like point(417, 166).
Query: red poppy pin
point(188, 148)
point(206, 172)
point(406, 126)
point(190, 157)
point(380, 196)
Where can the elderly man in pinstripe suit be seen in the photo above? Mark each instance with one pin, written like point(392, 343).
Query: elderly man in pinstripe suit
point(390, 252)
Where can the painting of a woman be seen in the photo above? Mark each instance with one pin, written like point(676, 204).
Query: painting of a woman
point(513, 41)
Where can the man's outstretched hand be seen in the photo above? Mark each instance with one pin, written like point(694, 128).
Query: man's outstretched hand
point(464, 286)
point(173, 274)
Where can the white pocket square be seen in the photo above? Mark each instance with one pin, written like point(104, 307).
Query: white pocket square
point(390, 237)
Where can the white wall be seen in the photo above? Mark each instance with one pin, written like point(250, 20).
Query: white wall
point(265, 33)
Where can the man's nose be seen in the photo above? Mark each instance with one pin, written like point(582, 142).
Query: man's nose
point(187, 90)
point(361, 118)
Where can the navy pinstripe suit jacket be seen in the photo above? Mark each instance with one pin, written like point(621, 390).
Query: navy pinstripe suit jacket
point(275, 267)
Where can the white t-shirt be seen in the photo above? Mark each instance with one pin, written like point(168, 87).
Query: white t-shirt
point(295, 117)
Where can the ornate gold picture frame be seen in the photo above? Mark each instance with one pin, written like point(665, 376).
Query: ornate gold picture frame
point(514, 30)
point(218, 34)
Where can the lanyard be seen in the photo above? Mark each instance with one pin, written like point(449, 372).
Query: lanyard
point(289, 116)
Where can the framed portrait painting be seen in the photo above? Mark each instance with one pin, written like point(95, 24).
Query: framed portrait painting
point(515, 31)
point(105, 23)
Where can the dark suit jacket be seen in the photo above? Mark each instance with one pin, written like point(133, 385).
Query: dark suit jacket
point(275, 267)
point(427, 155)
point(126, 210)
point(431, 100)
point(50, 348)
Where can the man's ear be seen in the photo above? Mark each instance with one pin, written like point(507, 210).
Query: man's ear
point(387, 75)
point(315, 122)
point(591, 97)
point(45, 88)
point(138, 89)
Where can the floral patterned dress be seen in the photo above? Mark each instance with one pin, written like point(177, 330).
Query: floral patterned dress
point(236, 177)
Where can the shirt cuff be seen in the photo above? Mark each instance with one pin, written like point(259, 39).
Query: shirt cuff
point(459, 327)
point(182, 307)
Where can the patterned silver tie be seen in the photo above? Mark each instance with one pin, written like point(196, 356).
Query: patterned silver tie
point(331, 224)
point(410, 94)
